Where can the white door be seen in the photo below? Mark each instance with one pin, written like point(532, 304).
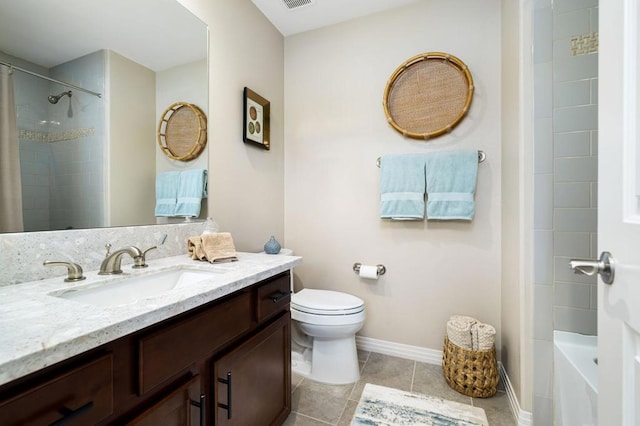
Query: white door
point(619, 213)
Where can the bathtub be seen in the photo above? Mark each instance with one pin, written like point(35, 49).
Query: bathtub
point(575, 379)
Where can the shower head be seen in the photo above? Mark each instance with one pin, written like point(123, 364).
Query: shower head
point(55, 98)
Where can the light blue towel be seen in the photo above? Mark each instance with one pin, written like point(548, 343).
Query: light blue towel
point(192, 188)
point(402, 187)
point(166, 193)
point(451, 183)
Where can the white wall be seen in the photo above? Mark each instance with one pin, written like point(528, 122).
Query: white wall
point(246, 191)
point(132, 89)
point(336, 128)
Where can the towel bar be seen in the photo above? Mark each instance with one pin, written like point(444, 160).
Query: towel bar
point(481, 157)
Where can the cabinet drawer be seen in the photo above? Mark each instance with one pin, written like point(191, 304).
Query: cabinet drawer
point(175, 347)
point(83, 395)
point(273, 297)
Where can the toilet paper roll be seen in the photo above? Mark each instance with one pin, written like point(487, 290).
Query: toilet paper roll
point(369, 272)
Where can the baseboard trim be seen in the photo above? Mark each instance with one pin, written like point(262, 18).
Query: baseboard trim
point(415, 353)
point(524, 418)
point(432, 356)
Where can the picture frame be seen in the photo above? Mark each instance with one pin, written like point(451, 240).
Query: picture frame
point(256, 119)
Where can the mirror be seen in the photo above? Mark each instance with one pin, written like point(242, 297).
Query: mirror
point(90, 161)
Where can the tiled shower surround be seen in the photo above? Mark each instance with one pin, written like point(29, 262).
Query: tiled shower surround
point(566, 166)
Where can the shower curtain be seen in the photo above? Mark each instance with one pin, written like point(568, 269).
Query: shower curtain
point(10, 182)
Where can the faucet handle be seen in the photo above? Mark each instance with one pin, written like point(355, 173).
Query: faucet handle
point(74, 270)
point(140, 261)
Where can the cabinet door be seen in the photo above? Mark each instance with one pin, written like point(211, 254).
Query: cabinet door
point(182, 407)
point(252, 383)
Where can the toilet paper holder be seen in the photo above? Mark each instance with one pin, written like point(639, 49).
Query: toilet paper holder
point(381, 268)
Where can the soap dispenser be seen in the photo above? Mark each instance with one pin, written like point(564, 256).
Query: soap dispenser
point(210, 226)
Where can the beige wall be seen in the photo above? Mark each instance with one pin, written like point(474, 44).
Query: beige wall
point(336, 128)
point(246, 183)
point(131, 109)
point(516, 216)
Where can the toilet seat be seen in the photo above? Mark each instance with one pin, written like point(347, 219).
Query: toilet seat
point(326, 302)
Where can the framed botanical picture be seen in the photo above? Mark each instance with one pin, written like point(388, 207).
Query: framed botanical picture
point(256, 119)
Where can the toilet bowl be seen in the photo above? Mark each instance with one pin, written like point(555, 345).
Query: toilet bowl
point(323, 335)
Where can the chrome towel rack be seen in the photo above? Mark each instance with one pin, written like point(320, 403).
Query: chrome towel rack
point(481, 157)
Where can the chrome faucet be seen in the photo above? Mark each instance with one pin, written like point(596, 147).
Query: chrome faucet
point(111, 264)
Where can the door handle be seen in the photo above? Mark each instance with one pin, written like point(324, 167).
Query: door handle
point(603, 266)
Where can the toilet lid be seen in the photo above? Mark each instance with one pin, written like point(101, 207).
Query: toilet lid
point(326, 302)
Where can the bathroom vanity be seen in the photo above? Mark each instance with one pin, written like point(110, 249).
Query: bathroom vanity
point(214, 353)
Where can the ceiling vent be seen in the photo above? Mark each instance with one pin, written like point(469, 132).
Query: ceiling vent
point(296, 4)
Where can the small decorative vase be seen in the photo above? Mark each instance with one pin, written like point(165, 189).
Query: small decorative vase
point(272, 246)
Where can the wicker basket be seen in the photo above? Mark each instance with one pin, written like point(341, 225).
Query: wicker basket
point(472, 373)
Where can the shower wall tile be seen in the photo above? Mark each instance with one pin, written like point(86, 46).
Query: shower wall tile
point(580, 169)
point(594, 194)
point(543, 368)
point(572, 220)
point(543, 147)
point(575, 118)
point(594, 296)
point(572, 244)
point(542, 411)
point(575, 67)
point(572, 295)
point(594, 91)
point(582, 321)
point(563, 6)
point(538, 4)
point(543, 42)
point(594, 245)
point(542, 82)
point(572, 195)
point(573, 23)
point(572, 144)
point(594, 142)
point(594, 19)
point(572, 93)
point(543, 208)
point(543, 317)
point(543, 257)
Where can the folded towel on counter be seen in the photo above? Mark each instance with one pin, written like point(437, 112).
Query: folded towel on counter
point(215, 247)
point(166, 193)
point(402, 187)
point(451, 184)
point(192, 188)
point(195, 249)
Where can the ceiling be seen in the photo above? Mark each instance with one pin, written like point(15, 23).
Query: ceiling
point(49, 32)
point(312, 14)
point(158, 34)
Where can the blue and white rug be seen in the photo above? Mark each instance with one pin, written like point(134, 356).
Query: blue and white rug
point(382, 406)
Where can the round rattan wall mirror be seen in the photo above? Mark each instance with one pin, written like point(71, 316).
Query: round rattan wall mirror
point(428, 95)
point(182, 131)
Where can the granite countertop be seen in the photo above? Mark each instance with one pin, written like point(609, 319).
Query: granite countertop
point(38, 330)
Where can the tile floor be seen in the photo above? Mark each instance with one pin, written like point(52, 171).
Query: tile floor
point(316, 404)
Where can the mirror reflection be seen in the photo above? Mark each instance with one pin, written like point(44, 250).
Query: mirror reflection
point(87, 92)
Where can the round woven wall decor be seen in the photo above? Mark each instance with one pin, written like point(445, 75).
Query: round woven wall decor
point(428, 95)
point(182, 131)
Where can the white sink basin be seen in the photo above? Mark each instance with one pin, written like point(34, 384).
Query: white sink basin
point(132, 289)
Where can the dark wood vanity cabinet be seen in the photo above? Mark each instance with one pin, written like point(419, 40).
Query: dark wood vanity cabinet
point(227, 362)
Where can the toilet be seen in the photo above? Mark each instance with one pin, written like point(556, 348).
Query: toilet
point(323, 335)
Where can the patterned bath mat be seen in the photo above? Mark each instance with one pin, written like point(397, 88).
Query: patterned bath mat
point(382, 406)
